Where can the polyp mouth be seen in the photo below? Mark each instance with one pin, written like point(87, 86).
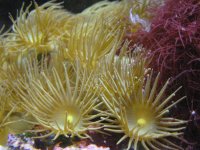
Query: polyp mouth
point(140, 119)
point(67, 119)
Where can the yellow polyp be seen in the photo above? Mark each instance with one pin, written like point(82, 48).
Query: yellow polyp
point(36, 30)
point(20, 125)
point(141, 111)
point(141, 122)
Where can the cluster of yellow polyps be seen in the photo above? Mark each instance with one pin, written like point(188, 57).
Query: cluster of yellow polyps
point(60, 71)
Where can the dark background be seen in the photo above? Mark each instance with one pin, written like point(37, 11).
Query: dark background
point(11, 6)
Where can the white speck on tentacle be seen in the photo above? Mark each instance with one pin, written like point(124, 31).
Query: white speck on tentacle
point(183, 29)
point(193, 113)
point(136, 19)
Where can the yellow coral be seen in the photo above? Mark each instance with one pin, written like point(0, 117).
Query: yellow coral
point(136, 110)
point(130, 64)
point(59, 103)
point(129, 13)
point(90, 41)
point(39, 31)
point(99, 31)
